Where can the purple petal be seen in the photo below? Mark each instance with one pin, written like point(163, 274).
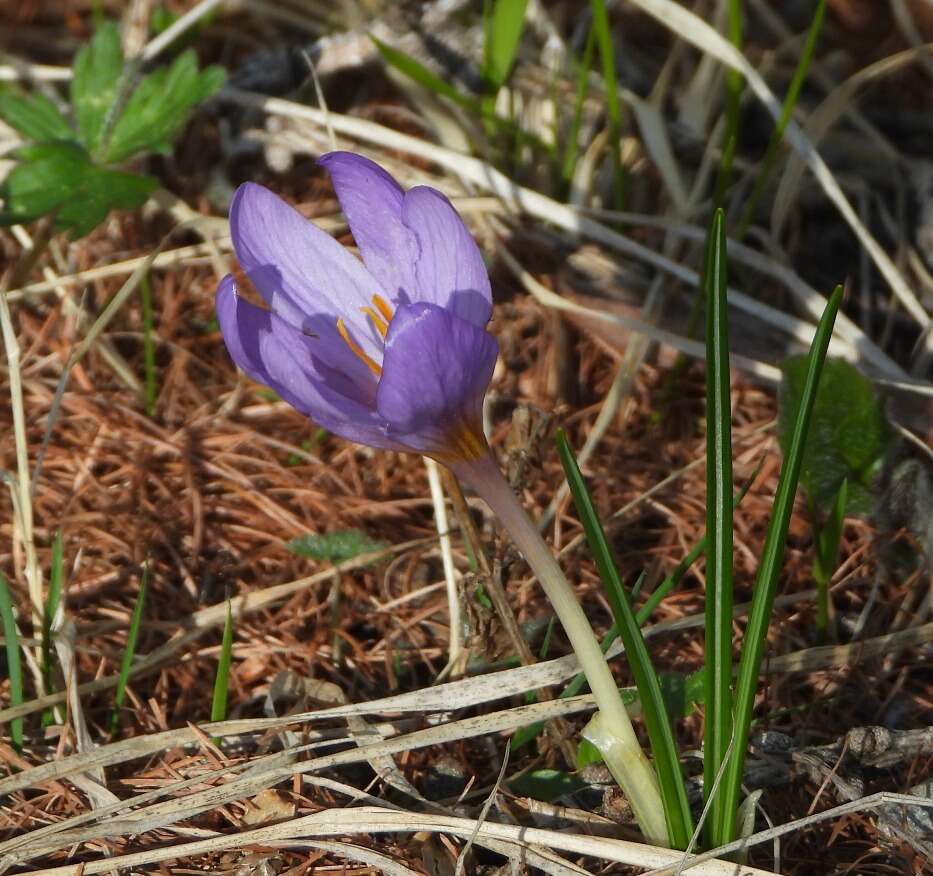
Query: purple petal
point(271, 351)
point(414, 243)
point(303, 274)
point(372, 202)
point(435, 373)
point(449, 271)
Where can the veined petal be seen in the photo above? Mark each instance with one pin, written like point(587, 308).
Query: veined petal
point(449, 269)
point(435, 372)
point(275, 353)
point(372, 202)
point(414, 243)
point(303, 273)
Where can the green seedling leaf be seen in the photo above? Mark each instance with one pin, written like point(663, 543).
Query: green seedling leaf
point(14, 664)
point(335, 547)
point(159, 107)
point(50, 610)
point(826, 554)
point(126, 664)
point(35, 116)
point(222, 679)
point(98, 69)
point(503, 34)
point(60, 178)
point(545, 784)
point(848, 439)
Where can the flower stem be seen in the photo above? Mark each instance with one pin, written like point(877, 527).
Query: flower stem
point(612, 730)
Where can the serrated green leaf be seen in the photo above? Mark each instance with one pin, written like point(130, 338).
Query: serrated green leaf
point(335, 547)
point(33, 116)
point(60, 178)
point(503, 34)
point(94, 87)
point(546, 784)
point(159, 107)
point(848, 439)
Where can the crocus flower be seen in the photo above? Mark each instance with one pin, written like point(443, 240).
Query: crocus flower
point(392, 351)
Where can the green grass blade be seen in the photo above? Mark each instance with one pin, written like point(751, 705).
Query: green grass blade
point(222, 679)
point(149, 368)
point(787, 110)
point(670, 777)
point(719, 498)
point(613, 109)
point(772, 557)
point(572, 149)
point(826, 553)
point(126, 664)
point(416, 71)
point(503, 27)
point(735, 83)
point(13, 660)
point(52, 602)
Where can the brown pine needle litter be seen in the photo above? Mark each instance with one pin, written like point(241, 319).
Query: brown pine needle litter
point(356, 742)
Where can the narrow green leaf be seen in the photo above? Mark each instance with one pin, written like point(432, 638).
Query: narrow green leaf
point(787, 110)
point(98, 68)
point(160, 106)
point(13, 660)
point(417, 72)
point(670, 777)
point(719, 498)
point(613, 109)
point(35, 117)
point(503, 33)
point(222, 679)
point(150, 379)
point(126, 663)
point(756, 632)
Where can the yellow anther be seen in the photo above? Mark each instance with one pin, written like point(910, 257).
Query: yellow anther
point(357, 350)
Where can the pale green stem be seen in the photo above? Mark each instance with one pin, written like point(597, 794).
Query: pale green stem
point(612, 730)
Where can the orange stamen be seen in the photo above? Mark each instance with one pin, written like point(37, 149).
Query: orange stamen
point(383, 307)
point(357, 350)
point(381, 325)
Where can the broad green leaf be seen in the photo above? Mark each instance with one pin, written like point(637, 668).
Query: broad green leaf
point(97, 72)
point(159, 107)
point(335, 547)
point(60, 178)
point(848, 439)
point(503, 34)
point(35, 116)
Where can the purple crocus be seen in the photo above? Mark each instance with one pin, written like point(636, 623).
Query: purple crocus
point(390, 351)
